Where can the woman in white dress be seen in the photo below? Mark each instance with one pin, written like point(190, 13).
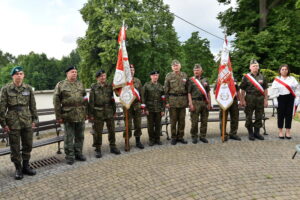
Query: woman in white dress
point(285, 94)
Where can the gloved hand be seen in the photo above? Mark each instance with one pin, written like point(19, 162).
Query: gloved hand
point(275, 102)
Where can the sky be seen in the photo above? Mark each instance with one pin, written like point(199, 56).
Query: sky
point(53, 26)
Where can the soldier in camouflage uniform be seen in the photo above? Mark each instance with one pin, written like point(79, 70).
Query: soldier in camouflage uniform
point(152, 97)
point(102, 108)
point(233, 110)
point(18, 116)
point(135, 113)
point(177, 101)
point(70, 105)
point(199, 104)
point(255, 100)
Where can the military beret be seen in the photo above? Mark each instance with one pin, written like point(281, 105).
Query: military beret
point(175, 62)
point(197, 66)
point(131, 66)
point(99, 73)
point(154, 72)
point(16, 69)
point(70, 68)
point(253, 61)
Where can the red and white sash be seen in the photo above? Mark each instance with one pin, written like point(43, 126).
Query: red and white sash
point(286, 85)
point(200, 87)
point(255, 83)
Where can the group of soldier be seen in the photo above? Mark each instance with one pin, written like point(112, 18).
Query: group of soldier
point(18, 114)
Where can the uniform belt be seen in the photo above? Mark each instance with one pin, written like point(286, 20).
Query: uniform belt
point(177, 95)
point(17, 108)
point(198, 99)
point(74, 105)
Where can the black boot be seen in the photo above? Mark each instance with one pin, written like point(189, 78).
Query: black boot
point(138, 143)
point(18, 173)
point(27, 170)
point(257, 135)
point(251, 134)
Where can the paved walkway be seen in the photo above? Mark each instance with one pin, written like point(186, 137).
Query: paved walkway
point(232, 170)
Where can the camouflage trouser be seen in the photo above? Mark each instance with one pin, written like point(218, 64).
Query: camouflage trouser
point(234, 118)
point(154, 126)
point(255, 104)
point(177, 117)
point(15, 137)
point(202, 110)
point(98, 128)
point(74, 137)
point(135, 115)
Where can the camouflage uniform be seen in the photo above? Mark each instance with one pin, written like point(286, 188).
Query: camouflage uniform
point(254, 100)
point(135, 112)
point(102, 108)
point(176, 96)
point(200, 105)
point(18, 112)
point(152, 96)
point(70, 105)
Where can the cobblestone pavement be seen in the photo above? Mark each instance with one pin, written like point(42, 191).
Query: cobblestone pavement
point(232, 170)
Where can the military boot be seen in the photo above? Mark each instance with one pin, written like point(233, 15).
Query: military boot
point(138, 143)
point(251, 134)
point(115, 150)
point(18, 173)
point(98, 153)
point(257, 135)
point(27, 170)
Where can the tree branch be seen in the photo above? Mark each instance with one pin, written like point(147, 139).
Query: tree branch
point(274, 3)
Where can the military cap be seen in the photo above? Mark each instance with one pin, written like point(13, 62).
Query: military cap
point(175, 62)
point(253, 62)
point(99, 73)
point(70, 68)
point(15, 70)
point(197, 66)
point(154, 72)
point(131, 66)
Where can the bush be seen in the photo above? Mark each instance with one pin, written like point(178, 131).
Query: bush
point(269, 74)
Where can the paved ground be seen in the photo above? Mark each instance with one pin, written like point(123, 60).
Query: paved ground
point(232, 170)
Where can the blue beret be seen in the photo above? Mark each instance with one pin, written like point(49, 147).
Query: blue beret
point(70, 68)
point(16, 69)
point(99, 73)
point(154, 72)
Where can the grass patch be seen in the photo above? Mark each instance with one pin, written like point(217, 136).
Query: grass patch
point(268, 176)
point(297, 117)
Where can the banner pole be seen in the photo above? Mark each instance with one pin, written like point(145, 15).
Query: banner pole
point(127, 146)
point(223, 125)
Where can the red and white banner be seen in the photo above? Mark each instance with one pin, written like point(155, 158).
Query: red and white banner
point(123, 81)
point(225, 90)
point(286, 86)
point(200, 87)
point(255, 83)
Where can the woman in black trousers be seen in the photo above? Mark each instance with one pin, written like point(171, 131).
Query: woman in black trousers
point(284, 92)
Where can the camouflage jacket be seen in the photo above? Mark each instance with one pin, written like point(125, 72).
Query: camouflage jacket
point(70, 102)
point(101, 102)
point(152, 96)
point(250, 88)
point(17, 106)
point(176, 89)
point(137, 85)
point(194, 91)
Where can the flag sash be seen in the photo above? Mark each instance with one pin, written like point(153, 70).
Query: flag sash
point(200, 87)
point(255, 83)
point(286, 86)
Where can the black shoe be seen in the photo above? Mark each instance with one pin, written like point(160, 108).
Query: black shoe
point(173, 141)
point(194, 141)
point(257, 135)
point(225, 138)
point(70, 161)
point(27, 170)
point(158, 142)
point(204, 140)
point(18, 173)
point(98, 154)
point(235, 137)
point(251, 134)
point(288, 137)
point(182, 141)
point(138, 143)
point(80, 157)
point(115, 150)
point(281, 137)
point(151, 143)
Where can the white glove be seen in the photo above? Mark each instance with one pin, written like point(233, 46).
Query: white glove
point(275, 102)
point(297, 101)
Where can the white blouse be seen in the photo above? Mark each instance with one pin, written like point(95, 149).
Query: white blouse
point(279, 89)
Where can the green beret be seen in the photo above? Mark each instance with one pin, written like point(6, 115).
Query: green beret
point(15, 70)
point(70, 68)
point(99, 73)
point(154, 72)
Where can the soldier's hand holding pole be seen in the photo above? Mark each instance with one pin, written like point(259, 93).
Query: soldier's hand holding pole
point(6, 129)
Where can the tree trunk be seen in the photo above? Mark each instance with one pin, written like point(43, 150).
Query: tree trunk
point(263, 13)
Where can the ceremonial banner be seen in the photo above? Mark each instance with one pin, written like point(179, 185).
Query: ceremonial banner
point(123, 81)
point(225, 90)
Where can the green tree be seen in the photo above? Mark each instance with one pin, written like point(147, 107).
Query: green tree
point(6, 58)
point(267, 30)
point(196, 50)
